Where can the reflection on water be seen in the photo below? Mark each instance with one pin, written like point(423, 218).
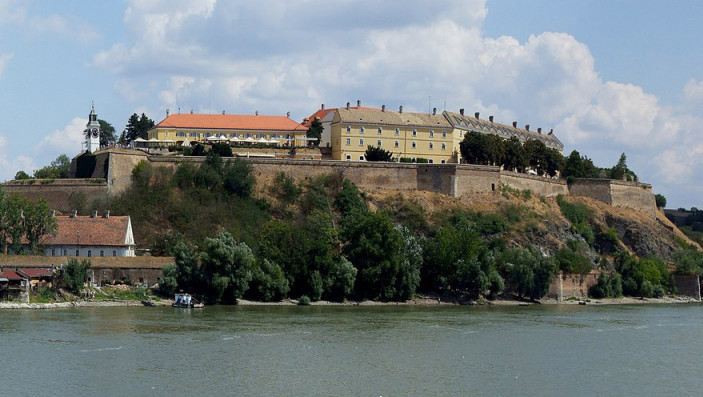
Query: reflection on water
point(354, 350)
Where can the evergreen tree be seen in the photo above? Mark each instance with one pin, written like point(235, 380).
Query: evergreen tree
point(315, 131)
point(137, 127)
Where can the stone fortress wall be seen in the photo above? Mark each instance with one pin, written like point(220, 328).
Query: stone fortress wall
point(450, 179)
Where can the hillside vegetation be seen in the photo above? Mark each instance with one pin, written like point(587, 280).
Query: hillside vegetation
point(323, 238)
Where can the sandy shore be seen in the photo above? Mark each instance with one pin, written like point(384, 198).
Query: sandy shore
point(420, 301)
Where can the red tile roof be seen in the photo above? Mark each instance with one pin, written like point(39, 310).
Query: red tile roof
point(36, 273)
point(231, 122)
point(86, 230)
point(11, 275)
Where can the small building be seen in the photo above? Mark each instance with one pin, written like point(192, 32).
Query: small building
point(245, 129)
point(12, 285)
point(325, 117)
point(91, 236)
point(38, 278)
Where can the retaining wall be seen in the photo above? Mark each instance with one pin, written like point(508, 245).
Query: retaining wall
point(58, 192)
point(572, 285)
point(688, 286)
point(538, 185)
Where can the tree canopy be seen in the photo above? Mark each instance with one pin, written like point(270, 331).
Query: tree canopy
point(315, 131)
point(137, 127)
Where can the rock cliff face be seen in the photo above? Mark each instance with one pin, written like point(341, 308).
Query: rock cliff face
point(543, 225)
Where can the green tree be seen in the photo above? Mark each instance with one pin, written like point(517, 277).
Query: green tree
point(168, 282)
point(75, 274)
point(268, 283)
point(59, 168)
point(107, 133)
point(12, 226)
point(376, 153)
point(349, 199)
point(227, 268)
point(620, 169)
point(137, 127)
point(315, 131)
point(474, 148)
point(340, 281)
point(515, 157)
point(536, 153)
point(237, 178)
point(530, 272)
point(659, 199)
point(38, 223)
point(20, 175)
point(222, 149)
point(188, 275)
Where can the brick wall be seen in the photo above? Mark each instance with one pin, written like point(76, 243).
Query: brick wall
point(57, 192)
point(572, 285)
point(538, 185)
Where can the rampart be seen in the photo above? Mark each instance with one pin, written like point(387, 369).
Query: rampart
point(58, 192)
point(137, 269)
point(566, 286)
point(688, 285)
point(451, 179)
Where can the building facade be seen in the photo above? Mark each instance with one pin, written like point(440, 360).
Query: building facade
point(91, 236)
point(275, 130)
point(407, 135)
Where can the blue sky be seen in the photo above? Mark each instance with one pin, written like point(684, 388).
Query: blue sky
point(608, 76)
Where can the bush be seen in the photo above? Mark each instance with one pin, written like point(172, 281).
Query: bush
point(223, 149)
point(304, 301)
point(375, 153)
point(284, 188)
point(167, 282)
point(237, 178)
point(660, 200)
point(75, 274)
point(608, 286)
point(575, 212)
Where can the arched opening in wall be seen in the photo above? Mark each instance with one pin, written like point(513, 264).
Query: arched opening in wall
point(493, 187)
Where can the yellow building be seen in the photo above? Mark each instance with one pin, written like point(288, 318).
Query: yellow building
point(277, 130)
point(406, 135)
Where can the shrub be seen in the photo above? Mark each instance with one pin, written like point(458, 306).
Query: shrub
point(575, 212)
point(167, 282)
point(304, 301)
point(223, 149)
point(284, 187)
point(75, 274)
point(375, 153)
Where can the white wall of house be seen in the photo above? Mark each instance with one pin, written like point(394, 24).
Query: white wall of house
point(72, 250)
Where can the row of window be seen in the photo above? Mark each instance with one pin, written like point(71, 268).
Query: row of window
point(396, 144)
point(209, 134)
point(90, 253)
point(397, 131)
point(348, 157)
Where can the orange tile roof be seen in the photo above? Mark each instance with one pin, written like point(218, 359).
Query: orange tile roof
point(86, 230)
point(231, 122)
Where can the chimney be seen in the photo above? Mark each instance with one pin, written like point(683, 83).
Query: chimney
point(514, 124)
point(400, 110)
point(527, 127)
point(191, 111)
point(322, 107)
point(490, 118)
point(305, 121)
point(347, 105)
point(383, 108)
point(288, 114)
point(166, 112)
point(358, 103)
point(476, 115)
point(179, 110)
point(106, 214)
point(434, 111)
point(94, 214)
point(74, 213)
point(256, 113)
point(223, 112)
point(539, 130)
point(551, 131)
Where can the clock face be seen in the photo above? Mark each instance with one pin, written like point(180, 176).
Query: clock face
point(95, 132)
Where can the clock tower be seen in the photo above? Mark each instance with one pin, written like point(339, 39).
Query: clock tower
point(92, 131)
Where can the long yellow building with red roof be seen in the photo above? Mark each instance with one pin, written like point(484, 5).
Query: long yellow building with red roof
point(191, 127)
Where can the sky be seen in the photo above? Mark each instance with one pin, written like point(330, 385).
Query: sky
point(609, 77)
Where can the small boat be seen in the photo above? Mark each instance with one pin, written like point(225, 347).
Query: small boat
point(186, 301)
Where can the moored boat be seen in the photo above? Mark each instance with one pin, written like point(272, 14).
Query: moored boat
point(186, 301)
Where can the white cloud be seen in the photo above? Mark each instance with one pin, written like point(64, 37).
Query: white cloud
point(9, 166)
point(693, 91)
point(4, 60)
point(66, 140)
point(19, 13)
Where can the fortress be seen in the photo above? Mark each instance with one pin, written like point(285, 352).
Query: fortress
point(112, 175)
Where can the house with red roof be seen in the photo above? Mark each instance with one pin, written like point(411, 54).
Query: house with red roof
point(91, 235)
point(12, 284)
point(190, 127)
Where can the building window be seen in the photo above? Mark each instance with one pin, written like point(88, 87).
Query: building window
point(193, 135)
point(443, 161)
point(208, 135)
point(65, 253)
point(397, 131)
point(414, 145)
point(102, 253)
point(361, 142)
point(431, 145)
point(348, 128)
point(348, 157)
point(397, 144)
point(53, 253)
point(361, 157)
point(431, 134)
point(361, 130)
point(380, 130)
point(414, 132)
point(378, 143)
point(180, 134)
point(89, 253)
point(114, 253)
point(348, 141)
point(77, 252)
point(431, 161)
point(444, 134)
point(444, 146)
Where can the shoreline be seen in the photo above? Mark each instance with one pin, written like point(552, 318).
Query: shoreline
point(420, 301)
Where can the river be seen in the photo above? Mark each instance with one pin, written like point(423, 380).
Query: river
point(353, 351)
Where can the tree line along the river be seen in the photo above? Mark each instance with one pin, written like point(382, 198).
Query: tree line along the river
point(319, 238)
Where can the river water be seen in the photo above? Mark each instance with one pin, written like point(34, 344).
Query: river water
point(353, 351)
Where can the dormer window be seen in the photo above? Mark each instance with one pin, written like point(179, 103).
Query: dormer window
point(348, 128)
point(380, 130)
point(414, 132)
point(361, 130)
point(431, 134)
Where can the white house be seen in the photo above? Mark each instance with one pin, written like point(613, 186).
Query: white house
point(91, 236)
